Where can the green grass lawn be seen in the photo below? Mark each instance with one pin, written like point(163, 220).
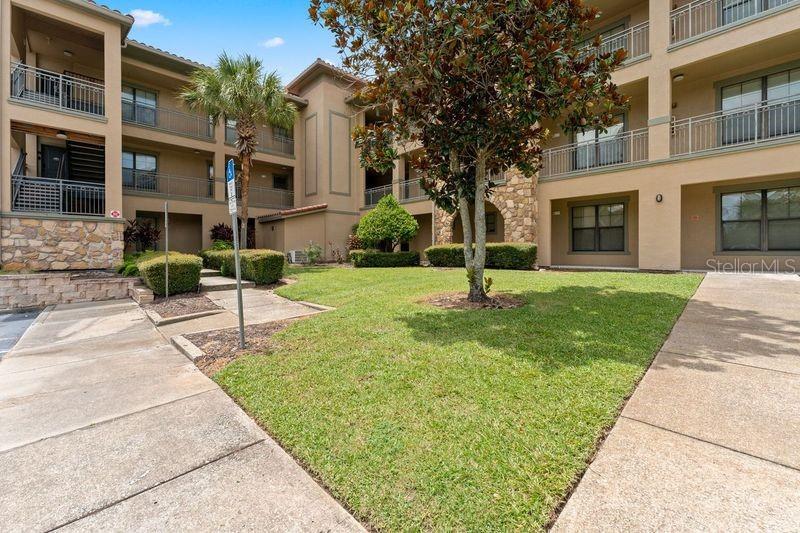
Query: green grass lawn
point(421, 418)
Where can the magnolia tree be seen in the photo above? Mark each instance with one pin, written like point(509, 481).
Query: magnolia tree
point(473, 81)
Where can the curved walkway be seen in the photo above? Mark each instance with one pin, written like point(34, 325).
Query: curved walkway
point(105, 426)
point(709, 440)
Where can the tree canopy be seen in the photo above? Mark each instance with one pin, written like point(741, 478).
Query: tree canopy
point(473, 81)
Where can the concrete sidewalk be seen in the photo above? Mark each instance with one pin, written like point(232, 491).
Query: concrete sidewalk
point(105, 426)
point(709, 440)
point(259, 306)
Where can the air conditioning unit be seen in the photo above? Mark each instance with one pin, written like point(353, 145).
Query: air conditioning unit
point(298, 257)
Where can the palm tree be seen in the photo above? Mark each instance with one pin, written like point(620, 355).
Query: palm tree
point(238, 89)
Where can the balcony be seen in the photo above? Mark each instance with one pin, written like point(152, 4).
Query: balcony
point(59, 91)
point(271, 198)
point(411, 190)
point(57, 196)
point(148, 182)
point(634, 40)
point(620, 150)
point(761, 123)
point(704, 17)
point(373, 195)
point(268, 142)
point(168, 120)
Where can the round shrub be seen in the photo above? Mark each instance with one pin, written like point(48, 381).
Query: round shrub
point(502, 255)
point(378, 259)
point(389, 223)
point(184, 273)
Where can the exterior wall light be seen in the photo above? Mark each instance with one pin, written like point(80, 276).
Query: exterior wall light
point(678, 77)
point(659, 198)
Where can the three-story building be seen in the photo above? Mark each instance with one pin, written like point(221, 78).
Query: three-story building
point(701, 171)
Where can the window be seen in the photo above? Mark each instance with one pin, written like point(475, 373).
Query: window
point(139, 105)
point(761, 220)
point(139, 171)
point(597, 148)
point(763, 107)
point(598, 228)
point(281, 181)
point(230, 131)
point(491, 223)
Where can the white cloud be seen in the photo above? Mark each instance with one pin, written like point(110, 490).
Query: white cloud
point(273, 43)
point(147, 17)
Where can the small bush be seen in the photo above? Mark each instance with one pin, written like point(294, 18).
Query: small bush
point(387, 226)
point(184, 273)
point(313, 252)
point(222, 245)
point(378, 259)
point(502, 255)
point(221, 232)
point(262, 266)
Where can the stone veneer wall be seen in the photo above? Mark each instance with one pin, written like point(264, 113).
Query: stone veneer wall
point(516, 201)
point(64, 244)
point(23, 291)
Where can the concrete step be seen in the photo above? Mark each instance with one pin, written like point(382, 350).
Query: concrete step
point(218, 283)
point(208, 272)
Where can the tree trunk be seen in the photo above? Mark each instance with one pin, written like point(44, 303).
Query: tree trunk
point(477, 291)
point(246, 163)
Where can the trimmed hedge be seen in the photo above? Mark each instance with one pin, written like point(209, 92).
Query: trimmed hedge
point(502, 255)
point(213, 258)
point(262, 266)
point(184, 273)
point(378, 259)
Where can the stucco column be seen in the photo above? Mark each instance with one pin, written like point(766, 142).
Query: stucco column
point(398, 174)
point(660, 226)
point(659, 84)
point(112, 58)
point(219, 161)
point(543, 232)
point(5, 122)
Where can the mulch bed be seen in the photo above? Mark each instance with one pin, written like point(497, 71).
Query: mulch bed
point(181, 304)
point(222, 346)
point(458, 300)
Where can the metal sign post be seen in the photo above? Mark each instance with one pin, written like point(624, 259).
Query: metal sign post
point(230, 178)
point(166, 250)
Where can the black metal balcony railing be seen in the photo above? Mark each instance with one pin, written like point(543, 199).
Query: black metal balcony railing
point(144, 181)
point(267, 142)
point(61, 91)
point(760, 123)
point(618, 150)
point(705, 16)
point(168, 120)
point(57, 196)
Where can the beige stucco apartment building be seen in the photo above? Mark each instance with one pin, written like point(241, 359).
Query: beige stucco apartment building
point(703, 170)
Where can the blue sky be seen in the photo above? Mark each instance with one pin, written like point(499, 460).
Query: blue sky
point(277, 31)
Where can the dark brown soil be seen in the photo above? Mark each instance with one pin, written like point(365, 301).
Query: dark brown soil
point(458, 300)
point(222, 346)
point(181, 304)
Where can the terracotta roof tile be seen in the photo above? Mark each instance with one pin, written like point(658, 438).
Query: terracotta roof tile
point(291, 212)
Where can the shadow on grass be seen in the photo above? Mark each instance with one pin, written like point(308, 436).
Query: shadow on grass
point(575, 325)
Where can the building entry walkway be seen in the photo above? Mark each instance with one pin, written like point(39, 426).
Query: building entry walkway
point(105, 426)
point(709, 439)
